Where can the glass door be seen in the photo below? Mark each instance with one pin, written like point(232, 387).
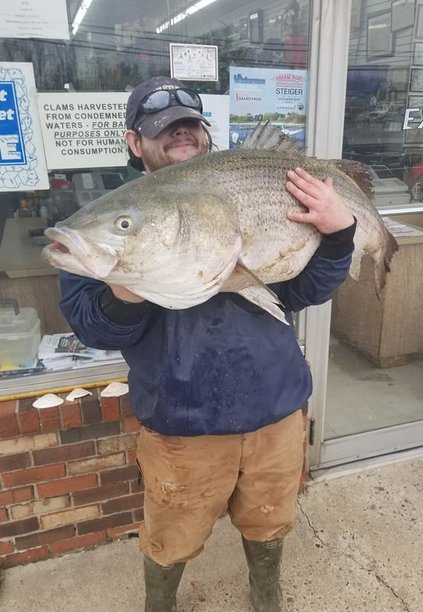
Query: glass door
point(373, 395)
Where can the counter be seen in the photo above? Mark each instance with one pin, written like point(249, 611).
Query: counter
point(388, 331)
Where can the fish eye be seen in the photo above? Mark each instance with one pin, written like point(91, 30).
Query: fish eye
point(123, 223)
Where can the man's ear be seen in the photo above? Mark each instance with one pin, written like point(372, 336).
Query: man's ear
point(133, 140)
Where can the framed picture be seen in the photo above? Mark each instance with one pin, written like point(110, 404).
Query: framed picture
point(416, 79)
point(379, 35)
point(256, 26)
point(402, 14)
point(418, 54)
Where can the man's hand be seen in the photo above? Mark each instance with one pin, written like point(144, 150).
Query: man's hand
point(125, 295)
point(326, 209)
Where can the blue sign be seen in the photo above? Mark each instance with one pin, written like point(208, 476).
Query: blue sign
point(12, 148)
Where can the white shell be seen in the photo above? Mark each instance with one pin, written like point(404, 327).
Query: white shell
point(115, 389)
point(48, 401)
point(76, 393)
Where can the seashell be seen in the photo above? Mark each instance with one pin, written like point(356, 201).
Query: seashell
point(76, 393)
point(115, 389)
point(48, 401)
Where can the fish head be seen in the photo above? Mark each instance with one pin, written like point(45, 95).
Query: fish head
point(173, 248)
point(92, 241)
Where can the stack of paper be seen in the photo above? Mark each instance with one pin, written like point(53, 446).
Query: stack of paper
point(65, 351)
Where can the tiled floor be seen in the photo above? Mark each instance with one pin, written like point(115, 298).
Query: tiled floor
point(362, 397)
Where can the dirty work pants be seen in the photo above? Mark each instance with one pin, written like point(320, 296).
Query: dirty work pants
point(190, 481)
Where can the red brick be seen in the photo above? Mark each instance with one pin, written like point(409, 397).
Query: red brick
point(25, 404)
point(117, 532)
point(129, 472)
point(35, 554)
point(3, 515)
point(67, 485)
point(13, 528)
point(137, 485)
point(18, 461)
point(78, 542)
point(8, 407)
point(130, 424)
point(123, 503)
point(110, 408)
point(89, 432)
point(14, 496)
point(126, 408)
point(139, 514)
point(64, 453)
point(50, 419)
point(124, 518)
point(29, 421)
point(131, 456)
point(44, 537)
point(71, 415)
point(35, 474)
point(6, 548)
point(114, 489)
point(8, 423)
point(90, 408)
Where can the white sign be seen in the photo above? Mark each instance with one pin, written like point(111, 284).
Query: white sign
point(216, 111)
point(22, 162)
point(194, 62)
point(34, 19)
point(83, 130)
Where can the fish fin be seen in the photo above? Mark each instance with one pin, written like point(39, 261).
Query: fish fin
point(269, 137)
point(360, 173)
point(382, 262)
point(248, 284)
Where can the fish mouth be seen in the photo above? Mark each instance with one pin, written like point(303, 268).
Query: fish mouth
point(71, 252)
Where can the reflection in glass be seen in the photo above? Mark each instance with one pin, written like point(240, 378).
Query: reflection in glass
point(376, 350)
point(112, 47)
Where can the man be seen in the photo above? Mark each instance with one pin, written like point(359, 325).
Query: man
point(217, 388)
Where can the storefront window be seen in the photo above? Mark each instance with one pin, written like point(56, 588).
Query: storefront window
point(376, 366)
point(65, 76)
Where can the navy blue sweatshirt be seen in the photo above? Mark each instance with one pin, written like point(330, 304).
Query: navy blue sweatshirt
point(222, 367)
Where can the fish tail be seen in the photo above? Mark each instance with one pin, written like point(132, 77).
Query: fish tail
point(382, 262)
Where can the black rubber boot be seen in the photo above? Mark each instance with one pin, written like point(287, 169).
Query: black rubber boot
point(264, 561)
point(161, 584)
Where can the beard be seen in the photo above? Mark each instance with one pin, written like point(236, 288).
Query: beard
point(154, 159)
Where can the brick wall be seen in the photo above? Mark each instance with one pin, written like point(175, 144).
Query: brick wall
point(68, 476)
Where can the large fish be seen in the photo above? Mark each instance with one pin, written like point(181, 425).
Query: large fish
point(215, 223)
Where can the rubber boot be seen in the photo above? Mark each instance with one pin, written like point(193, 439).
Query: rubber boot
point(264, 561)
point(161, 584)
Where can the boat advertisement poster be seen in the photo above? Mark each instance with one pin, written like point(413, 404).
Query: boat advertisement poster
point(267, 94)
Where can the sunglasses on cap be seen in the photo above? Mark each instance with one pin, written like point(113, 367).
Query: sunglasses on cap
point(162, 98)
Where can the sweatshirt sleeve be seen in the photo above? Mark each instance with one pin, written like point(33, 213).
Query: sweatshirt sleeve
point(98, 320)
point(325, 271)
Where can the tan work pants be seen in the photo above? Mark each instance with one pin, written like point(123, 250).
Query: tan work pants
point(190, 481)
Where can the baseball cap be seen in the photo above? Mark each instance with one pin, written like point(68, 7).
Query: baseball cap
point(152, 123)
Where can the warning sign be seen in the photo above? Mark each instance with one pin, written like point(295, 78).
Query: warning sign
point(83, 130)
